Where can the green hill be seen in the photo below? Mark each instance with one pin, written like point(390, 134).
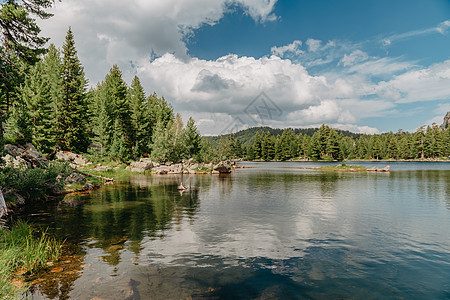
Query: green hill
point(247, 136)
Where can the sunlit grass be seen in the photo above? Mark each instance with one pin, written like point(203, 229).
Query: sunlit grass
point(23, 250)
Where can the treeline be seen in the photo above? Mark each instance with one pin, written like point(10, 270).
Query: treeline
point(247, 136)
point(329, 144)
point(50, 106)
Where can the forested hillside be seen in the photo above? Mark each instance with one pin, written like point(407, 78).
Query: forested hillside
point(326, 143)
point(247, 136)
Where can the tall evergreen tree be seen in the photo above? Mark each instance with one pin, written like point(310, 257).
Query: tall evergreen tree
point(101, 119)
point(37, 98)
point(116, 97)
point(52, 68)
point(139, 120)
point(21, 46)
point(257, 150)
point(72, 124)
point(192, 139)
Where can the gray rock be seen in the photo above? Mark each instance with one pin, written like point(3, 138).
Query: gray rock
point(73, 201)
point(26, 155)
point(101, 168)
point(74, 158)
point(75, 178)
point(15, 162)
point(14, 150)
point(35, 158)
point(144, 164)
point(223, 167)
point(385, 169)
point(373, 169)
point(88, 187)
point(446, 123)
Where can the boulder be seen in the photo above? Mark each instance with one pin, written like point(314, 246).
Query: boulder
point(26, 155)
point(75, 178)
point(35, 158)
point(102, 168)
point(385, 169)
point(74, 158)
point(73, 201)
point(446, 123)
point(14, 150)
point(88, 187)
point(144, 164)
point(223, 167)
point(15, 162)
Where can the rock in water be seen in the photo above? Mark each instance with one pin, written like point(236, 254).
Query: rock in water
point(223, 167)
point(385, 169)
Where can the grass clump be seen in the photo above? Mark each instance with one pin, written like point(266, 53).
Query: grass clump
point(23, 250)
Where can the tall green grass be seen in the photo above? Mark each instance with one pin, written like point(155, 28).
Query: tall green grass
point(23, 249)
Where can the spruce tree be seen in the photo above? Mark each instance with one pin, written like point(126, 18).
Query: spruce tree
point(192, 139)
point(116, 97)
point(71, 126)
point(101, 119)
point(139, 120)
point(37, 99)
point(257, 149)
point(52, 68)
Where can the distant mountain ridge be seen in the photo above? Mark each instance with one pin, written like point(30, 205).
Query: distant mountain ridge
point(247, 136)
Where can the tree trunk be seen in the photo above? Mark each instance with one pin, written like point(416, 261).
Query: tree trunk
point(3, 209)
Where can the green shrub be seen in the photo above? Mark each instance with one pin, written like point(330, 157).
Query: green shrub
point(34, 183)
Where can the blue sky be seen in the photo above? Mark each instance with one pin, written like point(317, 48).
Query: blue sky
point(365, 66)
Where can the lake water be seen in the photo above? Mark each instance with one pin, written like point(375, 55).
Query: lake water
point(274, 231)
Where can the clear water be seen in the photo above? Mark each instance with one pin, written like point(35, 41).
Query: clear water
point(274, 231)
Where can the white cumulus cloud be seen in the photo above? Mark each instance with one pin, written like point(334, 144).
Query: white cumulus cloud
point(111, 32)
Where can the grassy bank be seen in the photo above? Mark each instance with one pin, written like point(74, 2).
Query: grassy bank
point(23, 250)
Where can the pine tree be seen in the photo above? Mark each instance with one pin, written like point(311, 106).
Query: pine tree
point(139, 120)
point(18, 127)
point(71, 125)
point(52, 68)
point(101, 119)
point(192, 139)
point(314, 147)
point(377, 147)
point(116, 97)
point(160, 149)
point(37, 99)
point(257, 149)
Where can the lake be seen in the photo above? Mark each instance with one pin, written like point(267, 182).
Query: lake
point(272, 231)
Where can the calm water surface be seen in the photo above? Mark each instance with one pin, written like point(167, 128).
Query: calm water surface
point(274, 231)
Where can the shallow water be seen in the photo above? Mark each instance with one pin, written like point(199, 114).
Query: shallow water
point(274, 231)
